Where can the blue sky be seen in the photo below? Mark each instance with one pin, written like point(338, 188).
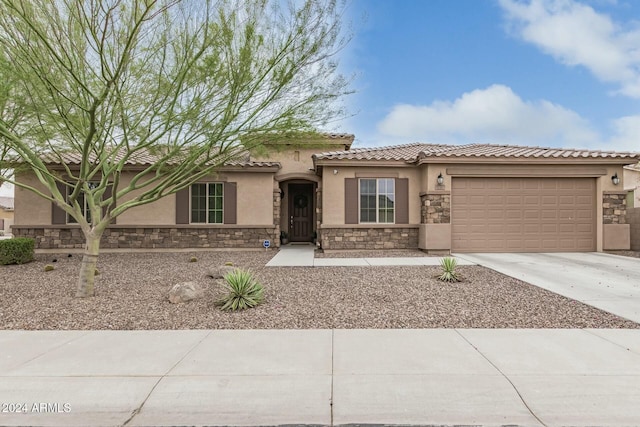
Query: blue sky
point(559, 73)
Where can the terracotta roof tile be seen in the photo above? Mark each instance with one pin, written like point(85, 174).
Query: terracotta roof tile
point(416, 151)
point(406, 152)
point(516, 151)
point(145, 158)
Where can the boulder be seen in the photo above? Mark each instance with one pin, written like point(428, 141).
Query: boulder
point(219, 272)
point(186, 291)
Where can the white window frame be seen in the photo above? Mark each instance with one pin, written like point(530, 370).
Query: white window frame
point(377, 198)
point(207, 209)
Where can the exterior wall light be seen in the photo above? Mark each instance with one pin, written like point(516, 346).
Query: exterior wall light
point(335, 171)
point(440, 179)
point(615, 179)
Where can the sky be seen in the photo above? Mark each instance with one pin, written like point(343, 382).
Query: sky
point(550, 73)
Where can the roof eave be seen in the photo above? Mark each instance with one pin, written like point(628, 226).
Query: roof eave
point(529, 160)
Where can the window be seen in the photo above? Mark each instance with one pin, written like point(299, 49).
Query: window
point(377, 200)
point(84, 206)
point(207, 203)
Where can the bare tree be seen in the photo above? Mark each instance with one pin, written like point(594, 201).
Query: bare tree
point(189, 84)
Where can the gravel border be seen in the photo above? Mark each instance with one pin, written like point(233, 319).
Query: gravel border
point(132, 294)
point(632, 254)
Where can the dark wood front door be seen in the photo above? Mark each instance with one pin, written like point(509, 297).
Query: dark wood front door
point(301, 212)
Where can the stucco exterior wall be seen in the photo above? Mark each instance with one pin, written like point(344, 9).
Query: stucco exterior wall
point(160, 212)
point(254, 201)
point(29, 208)
point(333, 189)
point(255, 197)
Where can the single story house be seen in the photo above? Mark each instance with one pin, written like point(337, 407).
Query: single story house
point(439, 198)
point(6, 214)
point(631, 175)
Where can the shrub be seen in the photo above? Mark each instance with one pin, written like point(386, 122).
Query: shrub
point(49, 267)
point(449, 274)
point(193, 259)
point(96, 272)
point(18, 250)
point(244, 291)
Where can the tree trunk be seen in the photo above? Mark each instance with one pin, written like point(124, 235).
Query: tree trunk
point(86, 281)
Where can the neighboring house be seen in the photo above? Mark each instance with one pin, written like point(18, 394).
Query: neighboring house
point(460, 198)
point(631, 175)
point(6, 214)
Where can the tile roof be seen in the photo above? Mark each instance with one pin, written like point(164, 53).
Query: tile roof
point(146, 158)
point(406, 152)
point(419, 151)
point(516, 151)
point(6, 202)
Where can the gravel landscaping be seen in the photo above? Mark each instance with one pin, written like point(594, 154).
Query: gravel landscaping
point(633, 254)
point(132, 294)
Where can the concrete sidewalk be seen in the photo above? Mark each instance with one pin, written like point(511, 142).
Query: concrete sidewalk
point(321, 377)
point(303, 256)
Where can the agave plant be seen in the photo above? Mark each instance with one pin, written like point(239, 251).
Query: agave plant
point(449, 274)
point(244, 291)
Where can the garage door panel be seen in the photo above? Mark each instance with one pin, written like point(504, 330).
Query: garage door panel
point(512, 214)
point(523, 214)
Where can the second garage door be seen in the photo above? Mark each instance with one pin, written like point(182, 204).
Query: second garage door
point(523, 214)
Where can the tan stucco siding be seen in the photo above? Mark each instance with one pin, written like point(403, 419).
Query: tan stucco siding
point(333, 189)
point(254, 202)
point(160, 212)
point(255, 198)
point(4, 214)
point(29, 208)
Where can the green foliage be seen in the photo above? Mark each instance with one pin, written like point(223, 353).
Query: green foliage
point(96, 272)
point(229, 264)
point(18, 250)
point(244, 291)
point(49, 267)
point(186, 85)
point(449, 274)
point(193, 259)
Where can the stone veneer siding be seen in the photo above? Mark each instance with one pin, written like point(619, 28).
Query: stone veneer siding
point(149, 237)
point(370, 238)
point(435, 208)
point(633, 219)
point(318, 215)
point(277, 203)
point(614, 207)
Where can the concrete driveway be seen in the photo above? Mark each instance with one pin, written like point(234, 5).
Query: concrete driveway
point(608, 282)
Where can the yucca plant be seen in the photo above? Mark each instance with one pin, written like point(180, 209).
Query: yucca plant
point(449, 274)
point(244, 291)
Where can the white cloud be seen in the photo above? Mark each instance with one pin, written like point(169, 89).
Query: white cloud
point(493, 115)
point(575, 34)
point(626, 134)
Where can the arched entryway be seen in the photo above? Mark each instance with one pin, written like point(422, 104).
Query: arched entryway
point(301, 212)
point(297, 209)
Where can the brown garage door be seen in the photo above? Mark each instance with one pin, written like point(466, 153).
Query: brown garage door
point(523, 214)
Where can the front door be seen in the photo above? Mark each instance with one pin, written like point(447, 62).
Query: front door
point(301, 212)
